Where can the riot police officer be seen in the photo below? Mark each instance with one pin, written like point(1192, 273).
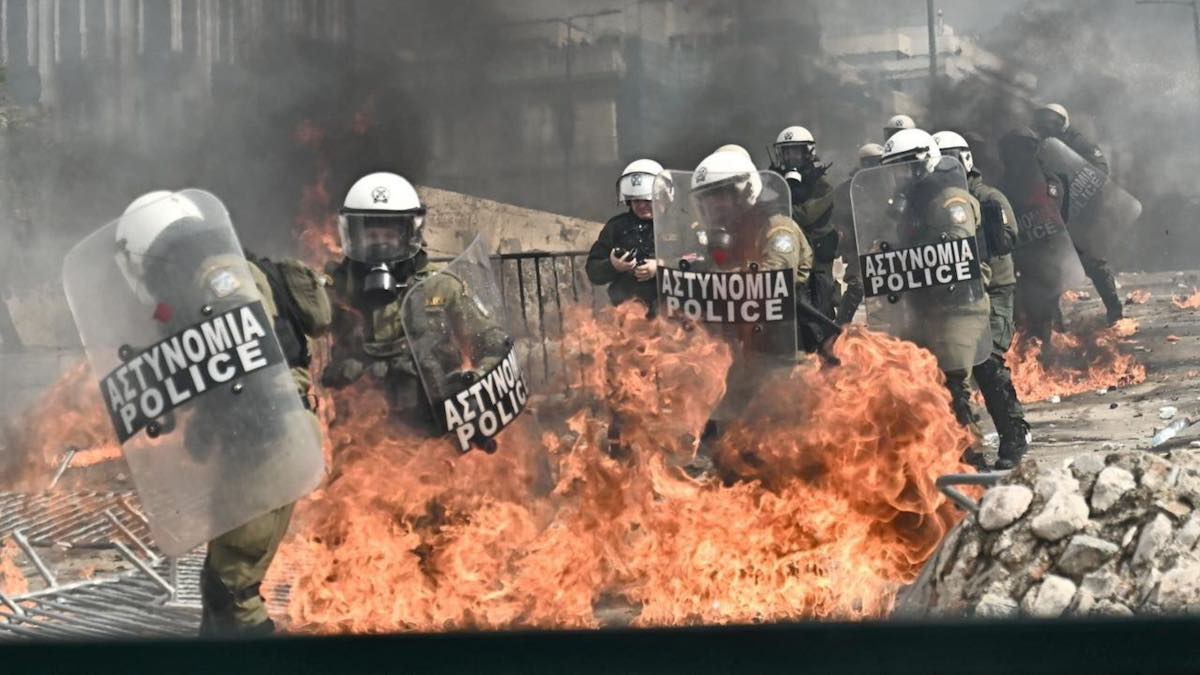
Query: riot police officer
point(381, 224)
point(897, 123)
point(167, 243)
point(623, 255)
point(1053, 121)
point(794, 157)
point(1045, 257)
point(930, 206)
point(735, 220)
point(999, 229)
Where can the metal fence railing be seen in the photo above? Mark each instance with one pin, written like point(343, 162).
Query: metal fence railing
point(539, 290)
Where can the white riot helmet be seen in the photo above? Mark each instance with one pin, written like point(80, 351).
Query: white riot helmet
point(954, 145)
point(728, 172)
point(794, 148)
point(734, 147)
point(382, 220)
point(869, 155)
point(897, 123)
point(911, 145)
point(1051, 119)
point(637, 180)
point(142, 227)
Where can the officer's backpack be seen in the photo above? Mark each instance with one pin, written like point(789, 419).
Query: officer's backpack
point(302, 302)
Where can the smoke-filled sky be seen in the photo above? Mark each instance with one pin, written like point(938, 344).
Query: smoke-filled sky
point(1127, 72)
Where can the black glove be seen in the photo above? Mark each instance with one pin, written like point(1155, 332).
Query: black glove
point(814, 171)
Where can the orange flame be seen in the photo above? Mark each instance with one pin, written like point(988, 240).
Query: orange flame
point(1086, 359)
point(70, 414)
point(1137, 297)
point(1190, 302)
point(561, 529)
point(12, 580)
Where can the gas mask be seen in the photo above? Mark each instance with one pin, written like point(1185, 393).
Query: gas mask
point(379, 286)
point(381, 244)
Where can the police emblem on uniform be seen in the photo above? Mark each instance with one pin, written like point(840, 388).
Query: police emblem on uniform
point(380, 195)
point(636, 180)
point(1052, 189)
point(224, 283)
point(958, 214)
point(701, 174)
point(1096, 152)
point(783, 244)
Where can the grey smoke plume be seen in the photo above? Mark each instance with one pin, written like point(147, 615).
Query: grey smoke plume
point(1127, 73)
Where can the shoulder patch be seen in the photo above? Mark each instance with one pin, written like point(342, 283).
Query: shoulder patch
point(961, 201)
point(783, 243)
point(223, 283)
point(958, 212)
point(435, 301)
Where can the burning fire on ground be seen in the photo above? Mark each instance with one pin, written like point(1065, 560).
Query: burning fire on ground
point(1137, 297)
point(12, 580)
point(827, 503)
point(1190, 302)
point(68, 415)
point(1085, 359)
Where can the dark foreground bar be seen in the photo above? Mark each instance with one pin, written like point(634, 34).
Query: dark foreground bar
point(1094, 647)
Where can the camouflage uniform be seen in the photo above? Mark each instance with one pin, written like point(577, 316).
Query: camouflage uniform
point(812, 209)
point(777, 246)
point(237, 561)
point(993, 375)
point(949, 330)
point(370, 339)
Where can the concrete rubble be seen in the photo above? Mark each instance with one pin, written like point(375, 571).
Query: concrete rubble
point(1102, 534)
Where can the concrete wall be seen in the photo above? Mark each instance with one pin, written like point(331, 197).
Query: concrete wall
point(454, 218)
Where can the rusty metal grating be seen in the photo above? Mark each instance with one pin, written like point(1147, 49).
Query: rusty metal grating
point(75, 519)
point(137, 592)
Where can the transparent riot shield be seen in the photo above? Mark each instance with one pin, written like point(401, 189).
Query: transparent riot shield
point(727, 262)
point(920, 259)
point(1045, 256)
point(1102, 213)
point(467, 360)
point(192, 375)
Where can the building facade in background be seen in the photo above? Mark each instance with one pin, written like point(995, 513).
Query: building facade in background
point(540, 111)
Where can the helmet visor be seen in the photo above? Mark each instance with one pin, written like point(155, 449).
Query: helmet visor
point(374, 238)
point(719, 205)
point(1048, 122)
point(795, 155)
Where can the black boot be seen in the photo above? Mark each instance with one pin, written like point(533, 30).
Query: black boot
point(1014, 443)
point(975, 459)
point(1114, 310)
